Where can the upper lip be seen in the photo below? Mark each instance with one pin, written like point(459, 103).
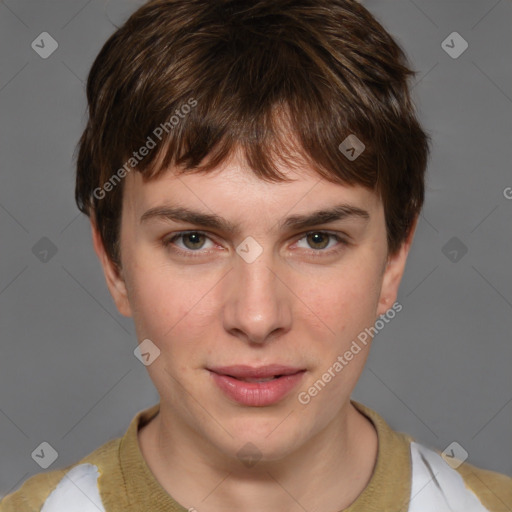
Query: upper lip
point(252, 372)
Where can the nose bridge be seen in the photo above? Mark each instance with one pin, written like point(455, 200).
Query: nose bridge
point(257, 303)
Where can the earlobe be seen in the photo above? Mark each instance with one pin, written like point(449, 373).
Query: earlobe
point(393, 273)
point(113, 275)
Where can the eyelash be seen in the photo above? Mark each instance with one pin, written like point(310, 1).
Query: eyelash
point(167, 243)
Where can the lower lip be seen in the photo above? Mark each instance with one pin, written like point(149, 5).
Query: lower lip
point(257, 394)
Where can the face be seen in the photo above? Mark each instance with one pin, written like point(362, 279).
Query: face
point(256, 291)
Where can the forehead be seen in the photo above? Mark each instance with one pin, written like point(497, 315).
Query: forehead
point(235, 192)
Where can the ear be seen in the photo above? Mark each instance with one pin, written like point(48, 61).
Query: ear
point(113, 275)
point(393, 273)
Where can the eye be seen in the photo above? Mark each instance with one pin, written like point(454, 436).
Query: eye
point(192, 242)
point(319, 241)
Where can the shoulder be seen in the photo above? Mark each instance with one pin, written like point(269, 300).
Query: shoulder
point(493, 488)
point(73, 488)
point(448, 484)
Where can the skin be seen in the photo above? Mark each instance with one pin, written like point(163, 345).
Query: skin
point(286, 307)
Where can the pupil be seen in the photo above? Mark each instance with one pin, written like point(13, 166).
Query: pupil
point(195, 238)
point(315, 237)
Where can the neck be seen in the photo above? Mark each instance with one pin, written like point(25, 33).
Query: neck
point(326, 473)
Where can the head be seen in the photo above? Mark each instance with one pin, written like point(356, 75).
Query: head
point(246, 112)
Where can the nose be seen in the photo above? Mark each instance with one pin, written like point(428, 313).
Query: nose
point(258, 305)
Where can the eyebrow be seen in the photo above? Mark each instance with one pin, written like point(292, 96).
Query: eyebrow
point(213, 221)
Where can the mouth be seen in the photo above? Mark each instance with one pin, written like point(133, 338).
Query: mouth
point(256, 387)
point(256, 374)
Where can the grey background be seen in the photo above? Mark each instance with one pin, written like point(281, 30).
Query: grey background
point(439, 371)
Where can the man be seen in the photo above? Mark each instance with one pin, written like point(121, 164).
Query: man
point(253, 172)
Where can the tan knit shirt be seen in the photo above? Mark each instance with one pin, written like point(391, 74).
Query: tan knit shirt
point(407, 477)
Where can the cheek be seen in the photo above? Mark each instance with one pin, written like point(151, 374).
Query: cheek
point(345, 300)
point(347, 305)
point(168, 304)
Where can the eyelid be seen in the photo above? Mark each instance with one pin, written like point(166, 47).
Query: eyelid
point(341, 238)
point(168, 241)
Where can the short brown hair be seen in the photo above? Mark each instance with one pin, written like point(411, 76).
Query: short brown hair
point(276, 79)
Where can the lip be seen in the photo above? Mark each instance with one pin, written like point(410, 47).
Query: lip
point(256, 394)
point(241, 371)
